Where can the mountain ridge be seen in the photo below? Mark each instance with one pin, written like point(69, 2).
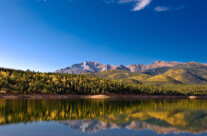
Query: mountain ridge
point(159, 72)
point(95, 67)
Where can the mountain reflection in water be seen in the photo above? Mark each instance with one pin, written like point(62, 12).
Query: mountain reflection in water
point(160, 116)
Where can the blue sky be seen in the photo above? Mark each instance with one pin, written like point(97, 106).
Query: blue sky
point(46, 35)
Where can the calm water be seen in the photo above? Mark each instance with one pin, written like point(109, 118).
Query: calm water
point(103, 117)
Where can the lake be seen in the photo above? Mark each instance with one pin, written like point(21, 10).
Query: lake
point(111, 117)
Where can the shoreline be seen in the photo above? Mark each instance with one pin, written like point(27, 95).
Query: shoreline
point(100, 96)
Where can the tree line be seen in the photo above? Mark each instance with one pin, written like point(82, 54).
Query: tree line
point(30, 82)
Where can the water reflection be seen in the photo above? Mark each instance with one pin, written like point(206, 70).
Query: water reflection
point(161, 116)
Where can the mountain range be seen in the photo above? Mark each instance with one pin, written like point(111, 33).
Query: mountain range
point(94, 67)
point(158, 72)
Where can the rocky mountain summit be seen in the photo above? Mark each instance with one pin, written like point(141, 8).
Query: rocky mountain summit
point(95, 67)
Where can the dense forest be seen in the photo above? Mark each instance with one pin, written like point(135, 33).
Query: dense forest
point(28, 82)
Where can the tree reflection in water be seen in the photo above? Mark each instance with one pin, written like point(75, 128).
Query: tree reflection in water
point(162, 116)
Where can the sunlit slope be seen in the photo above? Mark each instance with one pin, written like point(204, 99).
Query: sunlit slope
point(197, 69)
point(187, 73)
point(185, 76)
point(113, 74)
point(122, 75)
point(130, 81)
point(178, 75)
point(162, 79)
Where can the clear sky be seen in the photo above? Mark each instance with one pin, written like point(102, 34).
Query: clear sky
point(47, 35)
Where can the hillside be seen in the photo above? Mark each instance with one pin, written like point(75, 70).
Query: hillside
point(121, 75)
point(17, 81)
point(172, 76)
point(162, 79)
point(27, 82)
point(195, 68)
point(187, 73)
point(185, 76)
point(180, 73)
point(177, 76)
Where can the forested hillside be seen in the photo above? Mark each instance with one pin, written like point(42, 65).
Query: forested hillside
point(27, 82)
point(159, 72)
point(189, 73)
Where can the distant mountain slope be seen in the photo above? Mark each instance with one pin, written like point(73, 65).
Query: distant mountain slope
point(121, 75)
point(114, 74)
point(160, 64)
point(172, 76)
point(195, 68)
point(163, 79)
point(95, 67)
point(131, 77)
point(158, 72)
point(185, 76)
